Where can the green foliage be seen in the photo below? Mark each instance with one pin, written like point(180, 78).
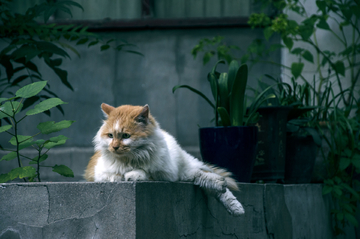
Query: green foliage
point(10, 110)
point(228, 90)
point(28, 40)
point(332, 111)
point(315, 98)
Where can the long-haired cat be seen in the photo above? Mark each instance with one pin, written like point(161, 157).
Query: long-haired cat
point(131, 146)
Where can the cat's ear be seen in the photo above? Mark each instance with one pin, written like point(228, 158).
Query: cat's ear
point(107, 109)
point(144, 115)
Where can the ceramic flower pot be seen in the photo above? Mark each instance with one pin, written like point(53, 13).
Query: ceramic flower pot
point(300, 159)
point(233, 148)
point(270, 157)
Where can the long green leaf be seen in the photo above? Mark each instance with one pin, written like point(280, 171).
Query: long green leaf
point(45, 105)
point(5, 128)
point(9, 156)
point(237, 96)
point(195, 91)
point(31, 90)
point(21, 172)
point(63, 170)
point(223, 90)
point(52, 127)
point(225, 118)
point(214, 68)
point(214, 86)
point(233, 67)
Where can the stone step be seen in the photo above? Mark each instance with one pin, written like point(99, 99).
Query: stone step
point(161, 210)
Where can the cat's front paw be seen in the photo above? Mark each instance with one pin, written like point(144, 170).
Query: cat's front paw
point(136, 175)
point(115, 178)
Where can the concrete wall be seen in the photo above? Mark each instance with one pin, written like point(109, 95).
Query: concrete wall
point(161, 210)
point(120, 78)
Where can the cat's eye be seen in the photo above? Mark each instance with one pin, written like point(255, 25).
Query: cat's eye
point(110, 136)
point(126, 136)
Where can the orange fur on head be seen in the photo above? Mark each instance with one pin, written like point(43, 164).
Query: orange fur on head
point(133, 120)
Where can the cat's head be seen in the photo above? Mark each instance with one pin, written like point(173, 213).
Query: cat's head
point(126, 129)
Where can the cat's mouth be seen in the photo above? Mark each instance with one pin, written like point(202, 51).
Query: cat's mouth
point(118, 151)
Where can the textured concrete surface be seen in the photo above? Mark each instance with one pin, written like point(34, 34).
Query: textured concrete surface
point(161, 210)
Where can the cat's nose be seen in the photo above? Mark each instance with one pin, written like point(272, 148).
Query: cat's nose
point(115, 147)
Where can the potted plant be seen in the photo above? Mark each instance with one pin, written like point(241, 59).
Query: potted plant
point(232, 143)
point(287, 126)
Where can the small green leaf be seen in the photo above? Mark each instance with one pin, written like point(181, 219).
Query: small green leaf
point(337, 190)
point(306, 31)
point(351, 219)
point(22, 172)
point(42, 158)
point(356, 161)
point(344, 163)
point(5, 128)
point(322, 6)
point(39, 142)
point(58, 138)
point(297, 51)
point(63, 170)
point(207, 56)
point(288, 42)
point(21, 139)
point(327, 189)
point(9, 107)
point(296, 69)
point(104, 47)
point(55, 141)
point(45, 105)
point(268, 33)
point(339, 67)
point(9, 156)
point(93, 43)
point(308, 56)
point(51, 127)
point(323, 25)
point(82, 41)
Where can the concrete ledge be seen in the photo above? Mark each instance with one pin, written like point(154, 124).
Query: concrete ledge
point(160, 210)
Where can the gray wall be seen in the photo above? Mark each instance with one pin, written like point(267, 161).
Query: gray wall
point(120, 78)
point(163, 210)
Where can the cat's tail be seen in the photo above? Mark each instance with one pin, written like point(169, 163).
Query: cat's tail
point(231, 183)
point(217, 182)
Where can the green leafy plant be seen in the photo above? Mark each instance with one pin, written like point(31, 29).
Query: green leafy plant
point(228, 90)
point(344, 167)
point(333, 111)
point(10, 108)
point(29, 37)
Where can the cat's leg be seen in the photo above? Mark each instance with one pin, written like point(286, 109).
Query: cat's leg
point(232, 205)
point(136, 175)
point(108, 177)
point(210, 181)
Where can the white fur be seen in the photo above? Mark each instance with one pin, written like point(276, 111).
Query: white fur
point(159, 157)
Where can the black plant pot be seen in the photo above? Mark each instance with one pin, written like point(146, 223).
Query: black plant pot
point(270, 156)
point(233, 148)
point(300, 159)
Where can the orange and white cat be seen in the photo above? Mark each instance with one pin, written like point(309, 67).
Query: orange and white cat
point(131, 146)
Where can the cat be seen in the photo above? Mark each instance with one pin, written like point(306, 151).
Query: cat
point(131, 146)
